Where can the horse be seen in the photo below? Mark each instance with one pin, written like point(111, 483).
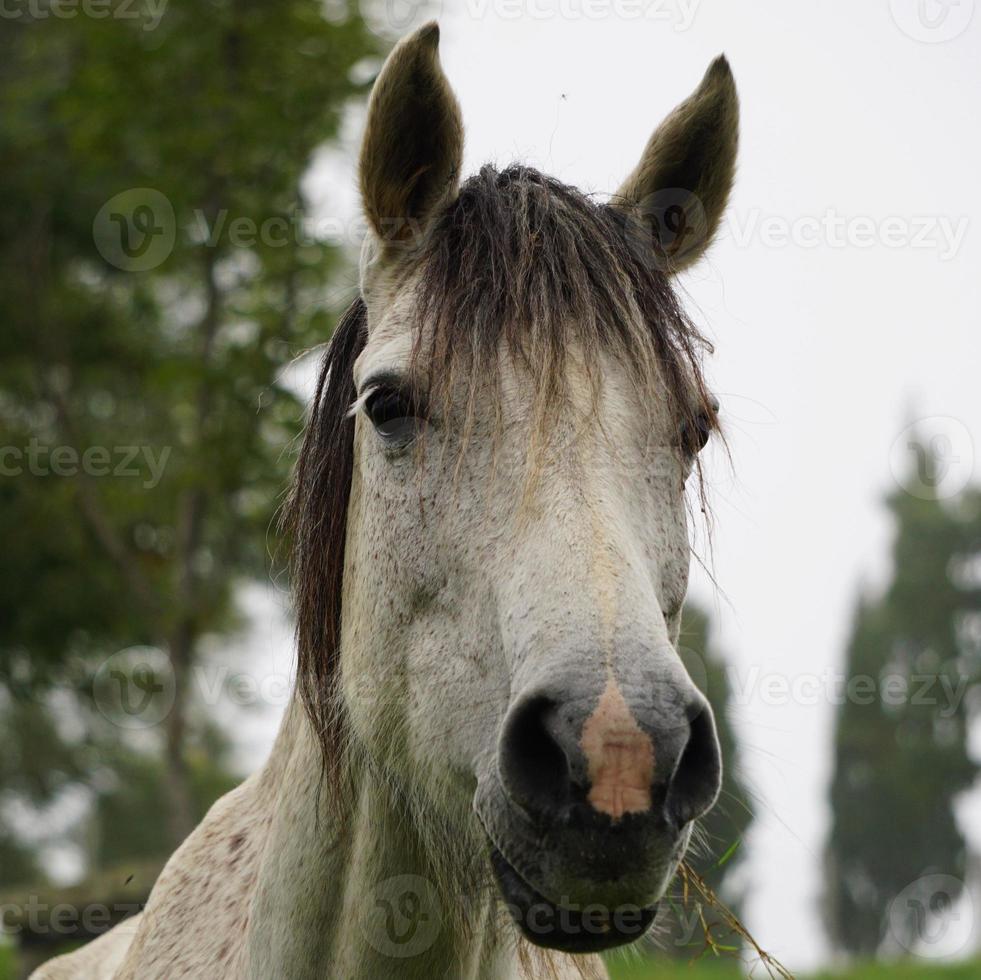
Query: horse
point(494, 756)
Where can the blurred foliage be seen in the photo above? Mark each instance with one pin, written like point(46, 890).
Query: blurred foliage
point(901, 744)
point(716, 850)
point(217, 110)
point(914, 970)
point(626, 967)
point(17, 861)
point(130, 806)
point(7, 963)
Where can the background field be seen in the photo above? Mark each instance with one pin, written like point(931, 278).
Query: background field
point(632, 968)
point(644, 970)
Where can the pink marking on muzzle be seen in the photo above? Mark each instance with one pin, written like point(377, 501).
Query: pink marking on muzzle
point(620, 756)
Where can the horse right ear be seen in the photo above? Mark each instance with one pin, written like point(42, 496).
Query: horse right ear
point(413, 144)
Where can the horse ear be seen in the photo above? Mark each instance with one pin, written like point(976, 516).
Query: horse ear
point(679, 189)
point(413, 143)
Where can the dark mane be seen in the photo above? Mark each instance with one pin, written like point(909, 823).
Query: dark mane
point(520, 260)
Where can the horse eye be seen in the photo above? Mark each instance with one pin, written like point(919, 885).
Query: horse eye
point(393, 416)
point(695, 432)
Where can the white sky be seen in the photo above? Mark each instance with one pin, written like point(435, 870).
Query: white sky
point(828, 345)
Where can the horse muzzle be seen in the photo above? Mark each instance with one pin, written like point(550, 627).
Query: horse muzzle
point(588, 807)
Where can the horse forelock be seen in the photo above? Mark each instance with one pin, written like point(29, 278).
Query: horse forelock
point(522, 262)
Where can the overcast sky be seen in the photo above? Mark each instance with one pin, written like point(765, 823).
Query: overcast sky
point(842, 295)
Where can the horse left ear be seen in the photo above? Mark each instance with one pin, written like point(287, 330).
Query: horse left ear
point(413, 143)
point(680, 188)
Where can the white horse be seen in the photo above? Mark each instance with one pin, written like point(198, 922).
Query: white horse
point(494, 757)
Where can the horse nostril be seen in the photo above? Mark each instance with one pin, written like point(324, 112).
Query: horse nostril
point(534, 768)
point(695, 784)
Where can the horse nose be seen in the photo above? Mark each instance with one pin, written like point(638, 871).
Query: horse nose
point(659, 759)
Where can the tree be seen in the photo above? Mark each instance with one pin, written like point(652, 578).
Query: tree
point(157, 279)
point(719, 835)
point(901, 753)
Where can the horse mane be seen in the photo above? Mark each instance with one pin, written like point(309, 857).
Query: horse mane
point(315, 520)
point(517, 260)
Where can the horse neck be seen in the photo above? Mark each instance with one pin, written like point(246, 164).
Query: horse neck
point(347, 886)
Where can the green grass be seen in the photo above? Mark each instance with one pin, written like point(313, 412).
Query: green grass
point(6, 962)
point(638, 969)
point(634, 968)
point(918, 970)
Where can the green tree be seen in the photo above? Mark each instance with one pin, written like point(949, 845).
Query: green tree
point(901, 755)
point(718, 839)
point(157, 280)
